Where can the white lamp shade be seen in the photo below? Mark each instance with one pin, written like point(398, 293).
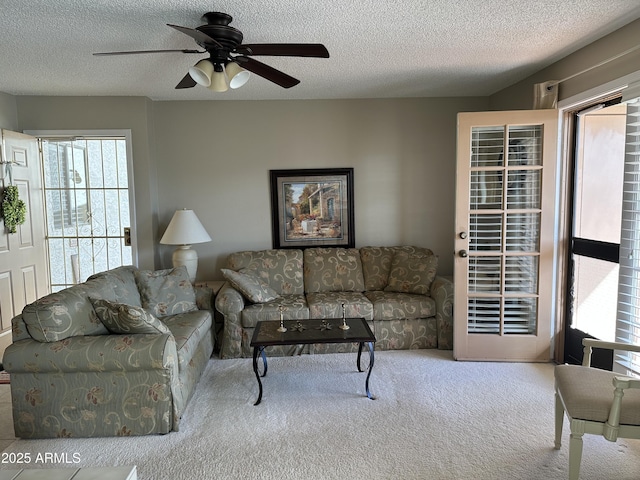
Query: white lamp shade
point(237, 75)
point(185, 229)
point(219, 82)
point(201, 72)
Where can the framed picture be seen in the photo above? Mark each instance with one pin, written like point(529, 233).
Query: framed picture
point(312, 208)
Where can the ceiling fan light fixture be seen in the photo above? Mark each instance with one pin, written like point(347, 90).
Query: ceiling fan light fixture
point(219, 80)
point(202, 72)
point(237, 75)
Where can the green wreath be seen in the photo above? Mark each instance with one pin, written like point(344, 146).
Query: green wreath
point(14, 210)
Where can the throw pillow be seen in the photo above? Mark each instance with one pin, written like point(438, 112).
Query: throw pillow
point(166, 292)
point(250, 285)
point(412, 272)
point(127, 319)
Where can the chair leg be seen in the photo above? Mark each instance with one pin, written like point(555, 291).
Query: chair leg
point(559, 421)
point(575, 455)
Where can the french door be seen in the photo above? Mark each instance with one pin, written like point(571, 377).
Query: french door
point(504, 244)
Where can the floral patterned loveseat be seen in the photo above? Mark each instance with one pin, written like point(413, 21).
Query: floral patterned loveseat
point(395, 288)
point(119, 354)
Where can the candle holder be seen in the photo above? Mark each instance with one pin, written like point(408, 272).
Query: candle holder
point(324, 326)
point(299, 326)
point(281, 328)
point(344, 325)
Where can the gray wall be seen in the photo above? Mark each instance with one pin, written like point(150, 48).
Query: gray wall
point(8, 112)
point(215, 157)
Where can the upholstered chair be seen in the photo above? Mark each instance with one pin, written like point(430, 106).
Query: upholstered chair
point(595, 401)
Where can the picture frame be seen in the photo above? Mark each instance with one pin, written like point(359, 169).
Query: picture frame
point(312, 208)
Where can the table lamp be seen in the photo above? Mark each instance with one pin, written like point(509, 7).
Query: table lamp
point(184, 230)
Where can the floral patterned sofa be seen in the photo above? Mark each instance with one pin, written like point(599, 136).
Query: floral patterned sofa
point(395, 288)
point(119, 354)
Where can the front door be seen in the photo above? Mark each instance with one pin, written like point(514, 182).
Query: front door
point(23, 264)
point(504, 244)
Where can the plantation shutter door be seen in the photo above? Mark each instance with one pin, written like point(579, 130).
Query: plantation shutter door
point(628, 321)
point(505, 191)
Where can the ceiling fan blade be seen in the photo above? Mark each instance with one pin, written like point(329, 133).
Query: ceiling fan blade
point(136, 52)
point(199, 37)
point(267, 72)
point(186, 82)
point(284, 49)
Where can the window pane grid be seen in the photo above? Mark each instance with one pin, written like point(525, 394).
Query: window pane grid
point(487, 146)
point(85, 183)
point(504, 229)
point(520, 316)
point(525, 145)
point(523, 232)
point(484, 315)
point(485, 232)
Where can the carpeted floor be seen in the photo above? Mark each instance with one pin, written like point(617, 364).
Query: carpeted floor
point(433, 418)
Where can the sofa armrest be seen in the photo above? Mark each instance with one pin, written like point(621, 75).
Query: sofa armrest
point(98, 353)
point(229, 300)
point(230, 303)
point(442, 293)
point(19, 329)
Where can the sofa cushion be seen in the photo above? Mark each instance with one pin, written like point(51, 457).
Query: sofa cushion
point(280, 269)
point(124, 285)
point(333, 270)
point(121, 318)
point(412, 272)
point(394, 305)
point(250, 285)
point(376, 265)
point(166, 292)
point(188, 329)
point(68, 313)
point(295, 308)
point(329, 305)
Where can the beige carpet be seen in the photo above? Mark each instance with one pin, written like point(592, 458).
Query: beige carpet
point(433, 418)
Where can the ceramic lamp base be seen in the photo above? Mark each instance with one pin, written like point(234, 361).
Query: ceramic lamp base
point(185, 255)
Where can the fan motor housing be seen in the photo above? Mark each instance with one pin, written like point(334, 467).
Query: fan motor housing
point(218, 28)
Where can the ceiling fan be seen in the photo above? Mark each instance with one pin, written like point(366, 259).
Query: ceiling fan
point(230, 61)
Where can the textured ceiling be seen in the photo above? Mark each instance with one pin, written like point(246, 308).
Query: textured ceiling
point(403, 48)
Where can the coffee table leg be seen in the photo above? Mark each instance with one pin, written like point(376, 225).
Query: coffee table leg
point(370, 346)
point(259, 350)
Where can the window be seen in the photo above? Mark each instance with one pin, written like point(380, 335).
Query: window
point(87, 200)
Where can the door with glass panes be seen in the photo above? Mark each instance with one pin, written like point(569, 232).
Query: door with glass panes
point(504, 247)
point(89, 206)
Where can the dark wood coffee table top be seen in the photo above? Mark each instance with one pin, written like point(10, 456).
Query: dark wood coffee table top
point(311, 331)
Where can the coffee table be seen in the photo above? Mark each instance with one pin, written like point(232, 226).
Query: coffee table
point(304, 332)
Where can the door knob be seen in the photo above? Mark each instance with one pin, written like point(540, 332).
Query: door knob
point(462, 253)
